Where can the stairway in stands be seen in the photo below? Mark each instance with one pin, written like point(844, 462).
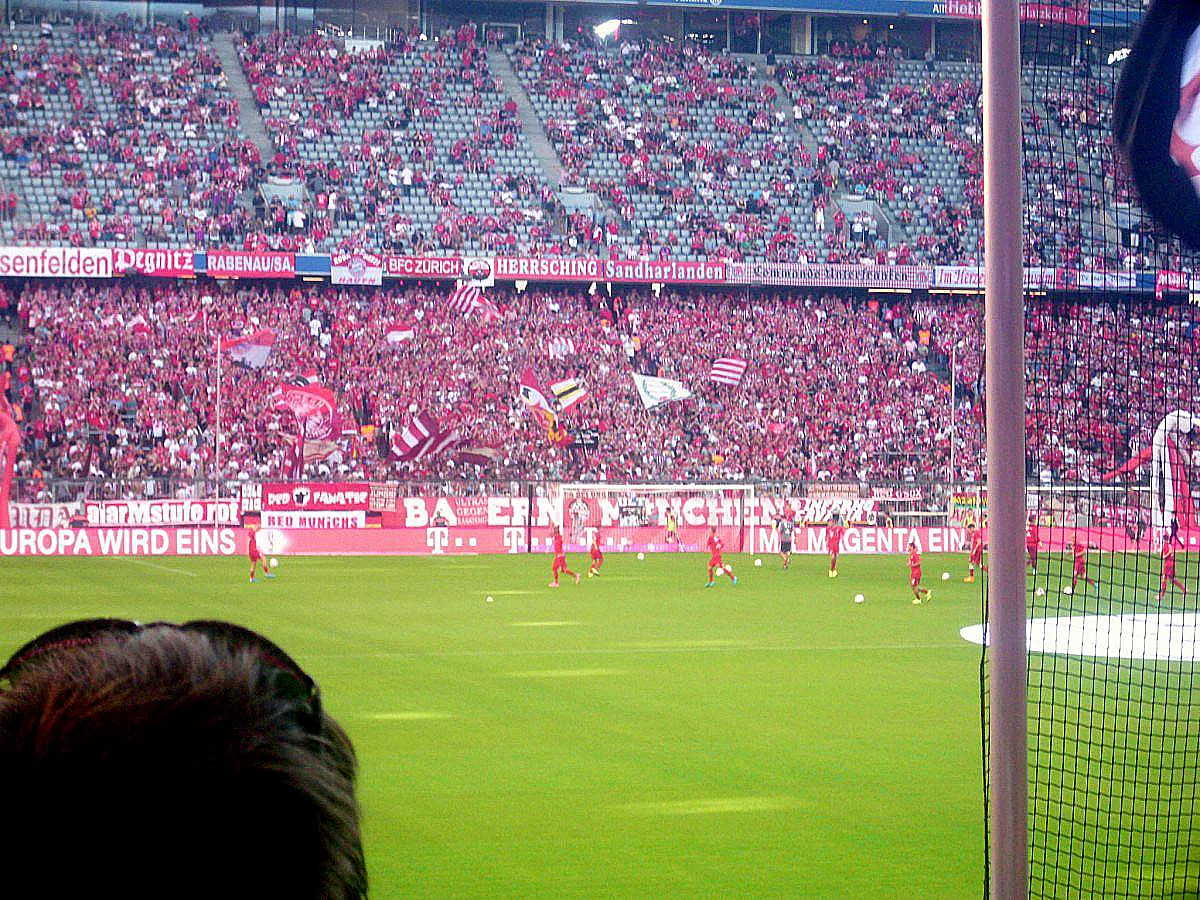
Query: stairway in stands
point(249, 117)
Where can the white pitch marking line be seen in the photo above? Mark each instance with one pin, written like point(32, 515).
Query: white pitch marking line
point(410, 716)
point(542, 624)
point(630, 651)
point(159, 566)
point(565, 673)
point(712, 806)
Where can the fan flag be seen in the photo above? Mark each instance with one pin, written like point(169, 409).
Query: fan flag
point(535, 399)
point(315, 409)
point(655, 391)
point(728, 370)
point(479, 455)
point(422, 437)
point(561, 348)
point(468, 298)
point(568, 393)
point(399, 332)
point(253, 350)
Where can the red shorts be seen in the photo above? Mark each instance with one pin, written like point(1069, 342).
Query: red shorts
point(560, 563)
point(914, 577)
point(976, 557)
point(1169, 571)
point(1031, 549)
point(1080, 568)
point(255, 556)
point(597, 560)
point(715, 561)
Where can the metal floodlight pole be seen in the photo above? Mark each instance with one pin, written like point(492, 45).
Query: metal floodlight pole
point(1004, 316)
point(217, 451)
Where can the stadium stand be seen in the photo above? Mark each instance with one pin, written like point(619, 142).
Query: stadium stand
point(843, 389)
point(119, 134)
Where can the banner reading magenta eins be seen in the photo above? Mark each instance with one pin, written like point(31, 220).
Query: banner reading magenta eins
point(357, 267)
point(56, 262)
point(155, 263)
point(250, 264)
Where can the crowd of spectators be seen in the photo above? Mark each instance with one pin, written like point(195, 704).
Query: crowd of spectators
point(836, 388)
point(117, 133)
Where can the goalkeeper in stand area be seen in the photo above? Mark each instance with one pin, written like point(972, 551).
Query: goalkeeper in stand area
point(559, 566)
point(785, 524)
point(672, 523)
point(716, 565)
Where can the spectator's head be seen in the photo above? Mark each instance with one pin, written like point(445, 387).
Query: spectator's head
point(186, 761)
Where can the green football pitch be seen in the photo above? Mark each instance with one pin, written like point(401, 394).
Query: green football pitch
point(636, 735)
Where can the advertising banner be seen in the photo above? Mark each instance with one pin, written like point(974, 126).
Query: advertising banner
point(154, 263)
point(121, 542)
point(1073, 13)
point(129, 513)
point(830, 275)
point(433, 267)
point(356, 268)
point(42, 515)
point(249, 264)
point(56, 262)
point(633, 271)
point(314, 520)
point(302, 496)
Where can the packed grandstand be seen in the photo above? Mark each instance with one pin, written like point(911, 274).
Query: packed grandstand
point(408, 234)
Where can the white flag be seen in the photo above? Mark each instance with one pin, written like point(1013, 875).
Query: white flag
point(657, 391)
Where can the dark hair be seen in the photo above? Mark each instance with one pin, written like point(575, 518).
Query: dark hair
point(164, 764)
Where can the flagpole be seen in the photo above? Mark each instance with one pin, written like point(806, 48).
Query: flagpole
point(218, 441)
point(953, 386)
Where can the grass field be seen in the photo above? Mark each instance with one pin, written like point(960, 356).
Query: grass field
point(637, 735)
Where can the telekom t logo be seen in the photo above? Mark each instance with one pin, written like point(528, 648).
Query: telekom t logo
point(436, 539)
point(514, 539)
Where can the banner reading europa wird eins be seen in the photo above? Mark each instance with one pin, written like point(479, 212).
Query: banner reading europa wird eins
point(358, 519)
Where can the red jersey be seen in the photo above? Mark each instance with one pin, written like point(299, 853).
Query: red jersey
point(833, 537)
point(1080, 552)
point(976, 542)
point(252, 545)
point(714, 546)
point(1031, 534)
point(558, 544)
point(914, 560)
point(1168, 558)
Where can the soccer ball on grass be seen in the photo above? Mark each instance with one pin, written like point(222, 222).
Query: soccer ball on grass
point(274, 563)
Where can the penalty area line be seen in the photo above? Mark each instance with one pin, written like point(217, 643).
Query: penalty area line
point(159, 566)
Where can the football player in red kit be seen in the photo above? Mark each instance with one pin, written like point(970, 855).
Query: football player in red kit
point(597, 556)
point(1032, 539)
point(1080, 554)
point(560, 558)
point(976, 559)
point(1168, 570)
point(833, 542)
point(914, 574)
point(255, 556)
point(714, 557)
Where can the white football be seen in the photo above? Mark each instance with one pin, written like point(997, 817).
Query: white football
point(719, 570)
point(641, 556)
point(490, 598)
point(945, 576)
point(859, 598)
point(274, 563)
point(758, 562)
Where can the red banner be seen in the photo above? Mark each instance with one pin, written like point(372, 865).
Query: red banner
point(636, 271)
point(131, 513)
point(248, 264)
point(1170, 283)
point(293, 496)
point(435, 267)
point(155, 263)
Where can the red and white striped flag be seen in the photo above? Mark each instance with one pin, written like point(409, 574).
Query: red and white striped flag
point(728, 370)
point(422, 437)
point(468, 299)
